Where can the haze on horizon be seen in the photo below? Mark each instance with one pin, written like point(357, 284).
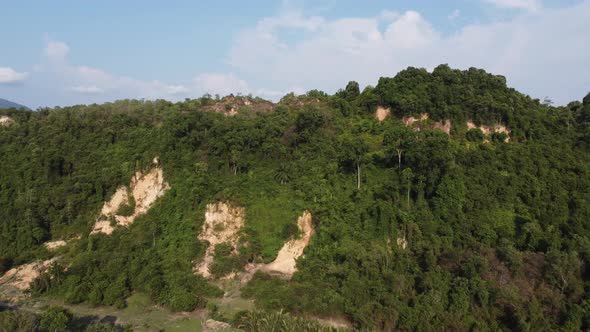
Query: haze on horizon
point(68, 52)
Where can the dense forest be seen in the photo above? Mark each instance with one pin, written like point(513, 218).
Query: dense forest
point(416, 229)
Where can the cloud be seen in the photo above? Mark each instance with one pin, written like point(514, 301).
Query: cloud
point(222, 84)
point(96, 85)
point(454, 15)
point(11, 76)
point(530, 5)
point(530, 50)
point(56, 50)
point(90, 90)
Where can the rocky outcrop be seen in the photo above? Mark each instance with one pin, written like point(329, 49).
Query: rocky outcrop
point(145, 188)
point(223, 223)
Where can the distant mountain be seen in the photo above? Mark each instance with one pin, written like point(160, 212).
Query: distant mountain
point(9, 104)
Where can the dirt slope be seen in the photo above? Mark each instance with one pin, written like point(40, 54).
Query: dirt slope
point(382, 113)
point(222, 225)
point(53, 245)
point(488, 130)
point(145, 188)
point(6, 121)
point(285, 263)
point(16, 281)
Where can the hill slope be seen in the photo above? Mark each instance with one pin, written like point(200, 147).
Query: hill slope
point(464, 206)
point(9, 104)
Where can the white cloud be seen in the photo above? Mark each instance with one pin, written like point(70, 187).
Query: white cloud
point(176, 90)
point(222, 84)
point(546, 54)
point(95, 84)
point(90, 90)
point(56, 50)
point(11, 76)
point(454, 15)
point(410, 31)
point(531, 5)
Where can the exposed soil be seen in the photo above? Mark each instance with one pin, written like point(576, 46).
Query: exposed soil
point(285, 263)
point(53, 245)
point(222, 225)
point(17, 280)
point(145, 188)
point(6, 121)
point(488, 130)
point(382, 113)
point(230, 105)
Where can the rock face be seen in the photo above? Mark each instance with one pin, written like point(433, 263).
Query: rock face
point(488, 130)
point(145, 188)
point(6, 121)
point(21, 277)
point(285, 263)
point(222, 225)
point(382, 113)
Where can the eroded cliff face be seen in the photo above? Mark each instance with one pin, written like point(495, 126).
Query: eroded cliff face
point(422, 122)
point(223, 223)
point(145, 188)
point(488, 130)
point(285, 263)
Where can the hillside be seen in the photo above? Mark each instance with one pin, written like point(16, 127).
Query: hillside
point(9, 104)
point(441, 200)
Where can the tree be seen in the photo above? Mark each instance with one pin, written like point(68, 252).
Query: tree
point(407, 177)
point(352, 91)
point(353, 150)
point(399, 139)
point(55, 319)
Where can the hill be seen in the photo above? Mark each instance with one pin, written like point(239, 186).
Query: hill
point(9, 104)
point(440, 200)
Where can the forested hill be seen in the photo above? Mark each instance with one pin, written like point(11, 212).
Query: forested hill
point(440, 201)
point(9, 104)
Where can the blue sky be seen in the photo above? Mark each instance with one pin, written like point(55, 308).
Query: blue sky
point(69, 52)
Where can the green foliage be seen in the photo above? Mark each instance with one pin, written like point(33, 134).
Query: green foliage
point(17, 321)
point(127, 209)
point(474, 135)
point(263, 321)
point(55, 319)
point(442, 232)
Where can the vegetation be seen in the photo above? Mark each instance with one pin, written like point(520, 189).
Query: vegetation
point(53, 319)
point(261, 321)
point(497, 233)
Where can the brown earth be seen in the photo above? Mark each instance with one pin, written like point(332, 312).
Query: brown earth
point(145, 188)
point(223, 223)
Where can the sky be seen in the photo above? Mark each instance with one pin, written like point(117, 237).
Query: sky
point(66, 52)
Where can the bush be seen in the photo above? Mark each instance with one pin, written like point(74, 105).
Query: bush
point(55, 319)
point(17, 321)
